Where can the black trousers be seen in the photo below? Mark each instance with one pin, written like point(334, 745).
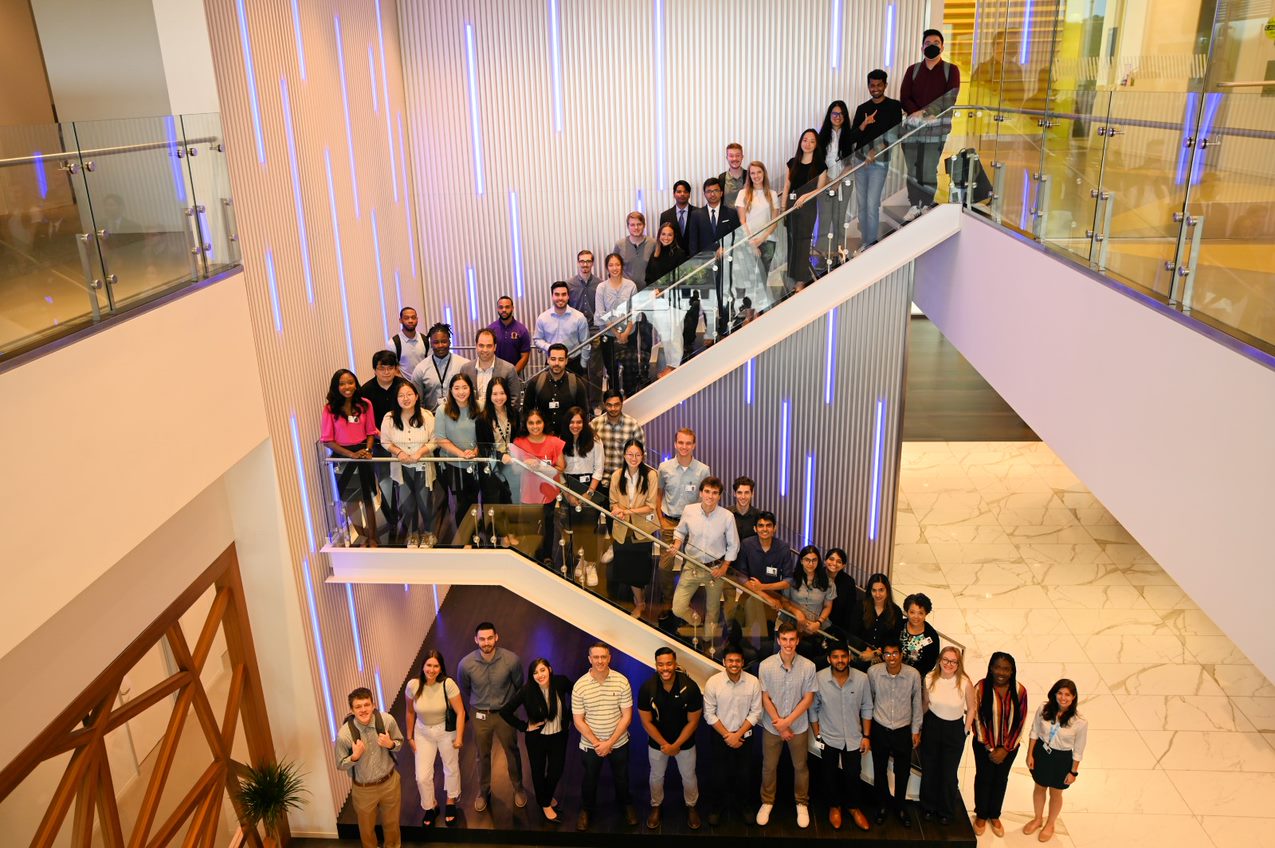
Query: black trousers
point(942, 743)
point(618, 760)
point(990, 780)
point(888, 743)
point(548, 755)
point(840, 771)
point(732, 784)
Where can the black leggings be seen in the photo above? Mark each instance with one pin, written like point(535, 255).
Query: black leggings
point(548, 755)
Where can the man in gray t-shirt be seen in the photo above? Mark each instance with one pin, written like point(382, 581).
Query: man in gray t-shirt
point(369, 759)
point(492, 676)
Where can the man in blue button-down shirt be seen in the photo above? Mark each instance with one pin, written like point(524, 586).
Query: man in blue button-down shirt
point(787, 691)
point(561, 324)
point(842, 721)
point(897, 711)
point(679, 478)
point(707, 533)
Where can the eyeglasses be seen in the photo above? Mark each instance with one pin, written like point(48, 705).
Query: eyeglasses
point(948, 662)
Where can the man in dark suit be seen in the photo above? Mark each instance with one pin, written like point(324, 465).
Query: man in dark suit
point(679, 215)
point(711, 228)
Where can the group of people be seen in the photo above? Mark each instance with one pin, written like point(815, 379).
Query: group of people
point(840, 712)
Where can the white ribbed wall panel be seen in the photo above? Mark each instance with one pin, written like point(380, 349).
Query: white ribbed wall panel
point(753, 71)
point(831, 383)
point(315, 338)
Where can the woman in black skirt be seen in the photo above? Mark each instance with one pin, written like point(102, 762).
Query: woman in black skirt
point(1055, 746)
point(633, 491)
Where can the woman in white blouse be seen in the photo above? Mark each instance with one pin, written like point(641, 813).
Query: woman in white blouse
point(1054, 749)
point(435, 728)
point(758, 206)
point(585, 462)
point(407, 434)
point(950, 710)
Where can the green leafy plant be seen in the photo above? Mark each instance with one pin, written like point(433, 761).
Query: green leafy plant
point(268, 792)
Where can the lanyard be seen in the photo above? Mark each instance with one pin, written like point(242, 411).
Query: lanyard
point(442, 381)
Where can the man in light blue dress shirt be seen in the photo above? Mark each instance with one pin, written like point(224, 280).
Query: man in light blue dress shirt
point(679, 487)
point(707, 533)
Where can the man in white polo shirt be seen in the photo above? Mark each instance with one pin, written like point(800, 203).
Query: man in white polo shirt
point(602, 705)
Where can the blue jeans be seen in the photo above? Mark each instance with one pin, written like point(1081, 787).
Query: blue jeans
point(870, 182)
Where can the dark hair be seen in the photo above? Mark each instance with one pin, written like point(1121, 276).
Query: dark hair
point(743, 481)
point(837, 645)
point(817, 156)
point(710, 482)
point(527, 415)
point(642, 471)
point(559, 346)
point(612, 391)
point(450, 409)
point(384, 357)
point(930, 32)
point(577, 446)
point(820, 579)
point(681, 183)
point(921, 599)
point(892, 641)
point(431, 654)
point(511, 411)
point(405, 309)
point(600, 644)
point(877, 74)
point(712, 181)
point(825, 131)
point(839, 552)
point(484, 625)
point(551, 708)
point(559, 284)
point(1052, 710)
point(664, 651)
point(766, 515)
point(361, 694)
point(785, 626)
point(607, 262)
point(485, 331)
point(985, 705)
point(732, 648)
point(417, 418)
point(336, 403)
point(659, 245)
point(889, 614)
point(440, 327)
point(504, 297)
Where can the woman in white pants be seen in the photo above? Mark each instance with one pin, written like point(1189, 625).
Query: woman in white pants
point(435, 727)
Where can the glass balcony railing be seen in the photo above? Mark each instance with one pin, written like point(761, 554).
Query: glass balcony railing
point(99, 217)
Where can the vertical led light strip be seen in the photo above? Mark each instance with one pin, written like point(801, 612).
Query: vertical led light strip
point(250, 75)
point(340, 258)
point(748, 381)
point(407, 212)
point(1211, 103)
point(1027, 33)
point(398, 289)
point(807, 514)
point(380, 276)
point(302, 485)
point(1027, 189)
point(783, 449)
point(515, 232)
point(889, 35)
point(380, 693)
point(385, 97)
point(371, 76)
point(878, 448)
point(472, 59)
point(297, 206)
point(1188, 131)
point(436, 604)
point(471, 286)
point(296, 33)
point(318, 644)
point(175, 145)
point(274, 291)
point(555, 49)
point(661, 163)
point(641, 206)
point(834, 35)
point(447, 317)
point(829, 355)
point(41, 177)
point(345, 105)
point(354, 626)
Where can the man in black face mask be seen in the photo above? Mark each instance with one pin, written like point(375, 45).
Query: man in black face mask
point(929, 87)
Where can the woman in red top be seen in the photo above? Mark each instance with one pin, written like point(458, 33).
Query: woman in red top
point(348, 430)
point(998, 728)
point(542, 453)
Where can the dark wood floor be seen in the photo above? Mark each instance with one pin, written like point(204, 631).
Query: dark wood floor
point(531, 632)
point(947, 400)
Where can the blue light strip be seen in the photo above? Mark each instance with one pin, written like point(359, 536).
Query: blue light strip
point(274, 291)
point(302, 485)
point(345, 104)
point(783, 450)
point(515, 231)
point(641, 205)
point(748, 380)
point(661, 163)
point(297, 206)
point(555, 50)
point(1188, 130)
point(889, 35)
point(834, 35)
point(1027, 33)
point(371, 76)
point(354, 626)
point(380, 693)
point(878, 447)
point(436, 604)
point(1027, 190)
point(296, 32)
point(398, 289)
point(380, 277)
point(475, 132)
point(471, 283)
point(251, 77)
point(407, 213)
point(41, 178)
point(808, 514)
point(175, 145)
point(830, 345)
point(1211, 103)
point(385, 96)
point(447, 316)
point(321, 658)
point(340, 258)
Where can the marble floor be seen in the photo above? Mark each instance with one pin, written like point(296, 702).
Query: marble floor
point(1017, 555)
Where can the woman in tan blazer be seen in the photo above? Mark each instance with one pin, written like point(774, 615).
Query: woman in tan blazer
point(634, 488)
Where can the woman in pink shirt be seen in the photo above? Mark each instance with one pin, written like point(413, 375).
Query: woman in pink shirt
point(348, 430)
point(543, 453)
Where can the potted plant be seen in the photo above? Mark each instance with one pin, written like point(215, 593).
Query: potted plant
point(266, 794)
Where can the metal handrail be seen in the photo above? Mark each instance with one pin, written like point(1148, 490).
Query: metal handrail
point(104, 151)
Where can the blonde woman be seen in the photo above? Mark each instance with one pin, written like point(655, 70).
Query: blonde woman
point(950, 710)
point(758, 207)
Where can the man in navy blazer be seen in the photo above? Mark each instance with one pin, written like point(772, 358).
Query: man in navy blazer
point(679, 215)
point(711, 227)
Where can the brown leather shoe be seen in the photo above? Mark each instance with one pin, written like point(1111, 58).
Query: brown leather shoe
point(653, 820)
point(582, 821)
point(630, 816)
point(692, 818)
point(834, 817)
point(860, 820)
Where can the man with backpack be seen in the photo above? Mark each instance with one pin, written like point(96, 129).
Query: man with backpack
point(929, 88)
point(365, 747)
point(555, 390)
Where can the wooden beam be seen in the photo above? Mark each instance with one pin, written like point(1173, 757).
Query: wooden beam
point(108, 811)
point(203, 645)
point(163, 765)
point(86, 798)
point(199, 698)
point(67, 788)
point(234, 697)
point(126, 713)
point(198, 830)
point(208, 781)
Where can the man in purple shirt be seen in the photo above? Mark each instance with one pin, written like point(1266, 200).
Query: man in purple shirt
point(513, 341)
point(929, 87)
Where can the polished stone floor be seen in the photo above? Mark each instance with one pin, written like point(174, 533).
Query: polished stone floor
point(1017, 555)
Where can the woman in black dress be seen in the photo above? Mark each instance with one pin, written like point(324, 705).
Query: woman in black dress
point(633, 491)
point(544, 699)
point(880, 619)
point(807, 175)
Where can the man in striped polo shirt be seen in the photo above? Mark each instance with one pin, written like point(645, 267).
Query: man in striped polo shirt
point(602, 705)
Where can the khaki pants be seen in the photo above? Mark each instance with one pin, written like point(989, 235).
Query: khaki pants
point(387, 800)
point(798, 748)
point(487, 729)
point(666, 577)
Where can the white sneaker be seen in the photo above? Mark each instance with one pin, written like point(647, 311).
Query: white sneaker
point(914, 212)
point(763, 814)
point(609, 555)
point(803, 815)
point(591, 574)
